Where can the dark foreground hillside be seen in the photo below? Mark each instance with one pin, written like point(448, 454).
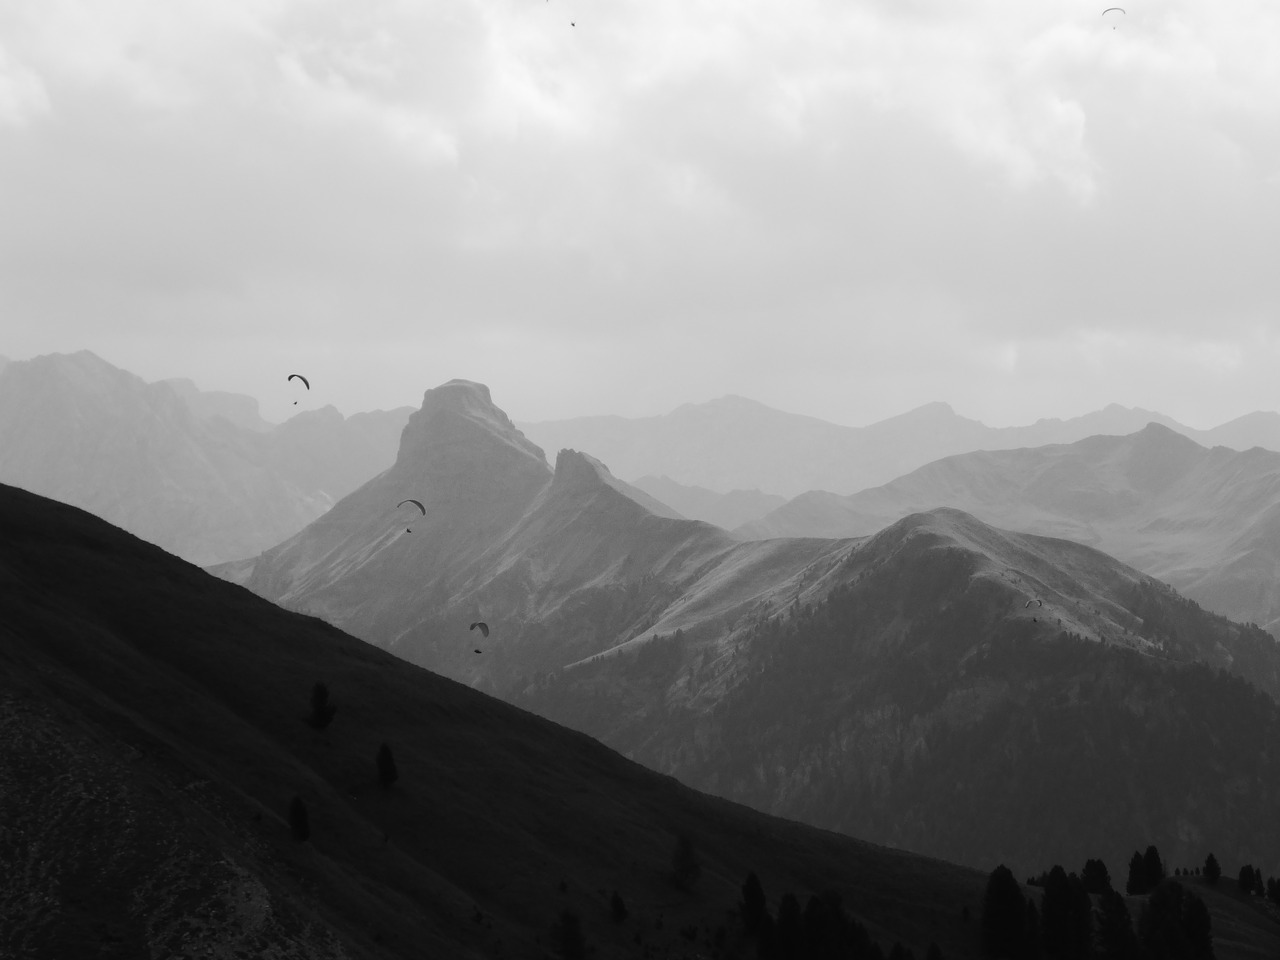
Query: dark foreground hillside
point(153, 735)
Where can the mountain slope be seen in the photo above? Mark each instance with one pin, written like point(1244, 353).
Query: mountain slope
point(197, 473)
point(1205, 520)
point(563, 565)
point(930, 702)
point(734, 443)
point(154, 736)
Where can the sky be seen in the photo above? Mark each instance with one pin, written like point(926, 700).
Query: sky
point(845, 208)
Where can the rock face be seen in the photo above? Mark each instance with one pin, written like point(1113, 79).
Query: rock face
point(562, 564)
point(196, 473)
point(1205, 520)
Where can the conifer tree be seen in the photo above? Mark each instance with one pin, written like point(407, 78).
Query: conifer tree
point(1115, 938)
point(1212, 871)
point(1003, 916)
point(387, 772)
point(754, 905)
point(1137, 882)
point(1096, 877)
point(322, 710)
point(1152, 868)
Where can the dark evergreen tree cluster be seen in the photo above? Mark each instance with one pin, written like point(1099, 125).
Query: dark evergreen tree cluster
point(1250, 880)
point(1175, 923)
point(1069, 925)
point(821, 930)
point(1146, 870)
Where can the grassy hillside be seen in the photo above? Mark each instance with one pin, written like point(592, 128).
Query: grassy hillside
point(153, 737)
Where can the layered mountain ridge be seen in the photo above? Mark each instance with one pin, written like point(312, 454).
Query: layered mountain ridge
point(804, 676)
point(197, 473)
point(1205, 520)
point(544, 556)
point(734, 443)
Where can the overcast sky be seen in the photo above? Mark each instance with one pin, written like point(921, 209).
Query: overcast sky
point(845, 208)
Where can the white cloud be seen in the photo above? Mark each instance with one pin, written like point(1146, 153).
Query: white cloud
point(873, 176)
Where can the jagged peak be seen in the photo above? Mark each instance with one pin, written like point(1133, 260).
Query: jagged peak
point(582, 473)
point(471, 403)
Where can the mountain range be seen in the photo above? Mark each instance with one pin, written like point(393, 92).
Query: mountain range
point(197, 473)
point(561, 564)
point(738, 444)
point(1205, 520)
point(156, 741)
point(823, 679)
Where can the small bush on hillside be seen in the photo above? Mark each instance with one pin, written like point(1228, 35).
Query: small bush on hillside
point(299, 822)
point(322, 710)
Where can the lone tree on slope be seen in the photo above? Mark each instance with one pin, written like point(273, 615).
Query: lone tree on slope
point(387, 772)
point(1212, 870)
point(322, 710)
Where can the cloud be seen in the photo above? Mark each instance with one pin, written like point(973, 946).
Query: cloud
point(872, 176)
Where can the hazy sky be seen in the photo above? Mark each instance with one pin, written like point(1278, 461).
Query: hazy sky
point(837, 207)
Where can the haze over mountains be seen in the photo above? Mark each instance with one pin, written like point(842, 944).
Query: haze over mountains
point(1205, 520)
point(562, 564)
point(153, 735)
point(656, 633)
point(738, 444)
point(197, 473)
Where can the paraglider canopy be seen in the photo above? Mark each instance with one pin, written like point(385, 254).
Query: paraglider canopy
point(1113, 16)
point(416, 503)
point(306, 383)
point(484, 629)
point(1031, 601)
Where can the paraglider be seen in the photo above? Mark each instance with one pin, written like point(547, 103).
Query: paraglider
point(305, 382)
point(416, 503)
point(1031, 601)
point(1114, 20)
point(484, 629)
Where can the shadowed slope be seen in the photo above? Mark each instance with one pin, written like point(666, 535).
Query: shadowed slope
point(154, 735)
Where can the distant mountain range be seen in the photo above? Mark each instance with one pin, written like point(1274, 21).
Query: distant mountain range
point(699, 655)
point(154, 742)
point(197, 473)
point(562, 564)
point(1205, 520)
point(726, 510)
point(738, 444)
